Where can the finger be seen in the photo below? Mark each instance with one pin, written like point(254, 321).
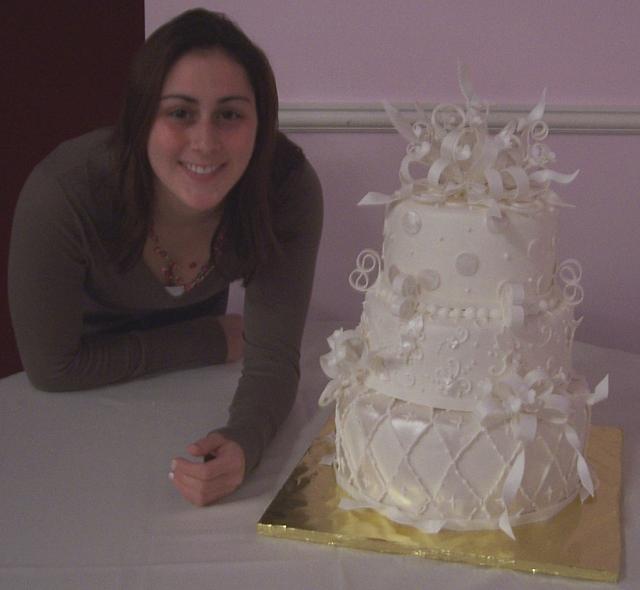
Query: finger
point(229, 458)
point(203, 493)
point(229, 461)
point(216, 445)
point(224, 473)
point(227, 480)
point(201, 471)
point(196, 494)
point(206, 445)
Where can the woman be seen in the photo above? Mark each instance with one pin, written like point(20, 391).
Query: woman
point(124, 243)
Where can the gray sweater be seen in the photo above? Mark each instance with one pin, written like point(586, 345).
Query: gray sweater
point(80, 324)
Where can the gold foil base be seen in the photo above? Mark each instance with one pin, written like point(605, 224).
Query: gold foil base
point(583, 541)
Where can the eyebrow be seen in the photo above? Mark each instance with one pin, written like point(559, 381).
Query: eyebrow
point(191, 99)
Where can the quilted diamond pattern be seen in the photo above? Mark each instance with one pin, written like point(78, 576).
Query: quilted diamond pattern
point(444, 464)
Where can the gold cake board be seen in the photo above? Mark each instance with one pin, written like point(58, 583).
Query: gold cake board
point(583, 541)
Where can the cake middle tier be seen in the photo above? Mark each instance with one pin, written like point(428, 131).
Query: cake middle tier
point(447, 362)
point(464, 254)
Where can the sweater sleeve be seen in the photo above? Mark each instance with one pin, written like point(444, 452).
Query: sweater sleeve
point(48, 265)
point(276, 303)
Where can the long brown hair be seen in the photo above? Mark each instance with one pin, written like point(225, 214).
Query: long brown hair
point(246, 226)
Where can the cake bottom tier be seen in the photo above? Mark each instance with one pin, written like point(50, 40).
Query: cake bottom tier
point(434, 468)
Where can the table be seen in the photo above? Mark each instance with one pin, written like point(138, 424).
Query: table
point(85, 501)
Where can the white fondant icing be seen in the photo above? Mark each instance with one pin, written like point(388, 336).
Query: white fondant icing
point(497, 225)
point(504, 255)
point(457, 406)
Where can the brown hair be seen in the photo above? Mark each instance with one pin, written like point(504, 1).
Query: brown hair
point(246, 224)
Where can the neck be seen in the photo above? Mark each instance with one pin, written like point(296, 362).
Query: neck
point(165, 219)
point(172, 214)
point(167, 224)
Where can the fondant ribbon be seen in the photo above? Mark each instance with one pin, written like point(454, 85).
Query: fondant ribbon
point(374, 198)
point(394, 513)
point(403, 127)
point(510, 491)
point(416, 153)
point(524, 401)
point(535, 114)
point(543, 176)
point(464, 161)
point(584, 396)
point(512, 295)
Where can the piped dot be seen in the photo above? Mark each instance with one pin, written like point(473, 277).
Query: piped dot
point(411, 223)
point(467, 264)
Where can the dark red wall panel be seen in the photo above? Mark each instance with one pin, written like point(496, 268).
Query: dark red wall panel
point(62, 68)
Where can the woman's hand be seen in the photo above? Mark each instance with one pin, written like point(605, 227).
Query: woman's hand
point(205, 483)
point(233, 327)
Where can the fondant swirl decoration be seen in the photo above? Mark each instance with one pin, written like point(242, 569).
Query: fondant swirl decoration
point(367, 263)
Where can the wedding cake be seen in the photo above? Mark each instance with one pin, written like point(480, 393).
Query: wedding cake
point(456, 403)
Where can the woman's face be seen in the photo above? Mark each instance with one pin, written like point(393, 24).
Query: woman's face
point(204, 132)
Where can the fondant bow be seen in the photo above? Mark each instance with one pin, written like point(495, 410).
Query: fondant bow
point(343, 363)
point(524, 401)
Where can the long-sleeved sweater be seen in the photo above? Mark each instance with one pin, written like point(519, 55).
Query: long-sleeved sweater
point(81, 323)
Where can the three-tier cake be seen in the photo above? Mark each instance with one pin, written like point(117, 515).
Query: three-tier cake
point(457, 405)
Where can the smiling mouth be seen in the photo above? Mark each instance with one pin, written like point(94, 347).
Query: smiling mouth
point(200, 169)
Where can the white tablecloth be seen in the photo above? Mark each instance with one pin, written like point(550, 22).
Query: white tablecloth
point(85, 502)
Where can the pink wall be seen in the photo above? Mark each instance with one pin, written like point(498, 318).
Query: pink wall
point(585, 52)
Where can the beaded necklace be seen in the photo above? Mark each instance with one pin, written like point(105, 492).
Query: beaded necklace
point(175, 284)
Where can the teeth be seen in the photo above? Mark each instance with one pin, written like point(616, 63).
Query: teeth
point(199, 169)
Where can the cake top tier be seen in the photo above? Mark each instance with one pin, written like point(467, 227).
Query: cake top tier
point(460, 161)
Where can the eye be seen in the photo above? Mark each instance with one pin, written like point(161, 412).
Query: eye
point(180, 114)
point(229, 116)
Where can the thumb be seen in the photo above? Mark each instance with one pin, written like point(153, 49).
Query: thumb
point(207, 445)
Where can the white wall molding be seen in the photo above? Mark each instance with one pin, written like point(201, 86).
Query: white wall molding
point(371, 117)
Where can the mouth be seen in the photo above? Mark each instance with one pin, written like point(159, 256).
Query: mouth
point(200, 170)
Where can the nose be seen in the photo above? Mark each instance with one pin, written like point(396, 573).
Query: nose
point(205, 137)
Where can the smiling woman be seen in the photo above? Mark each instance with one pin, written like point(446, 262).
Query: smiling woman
point(200, 144)
point(125, 241)
point(204, 133)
